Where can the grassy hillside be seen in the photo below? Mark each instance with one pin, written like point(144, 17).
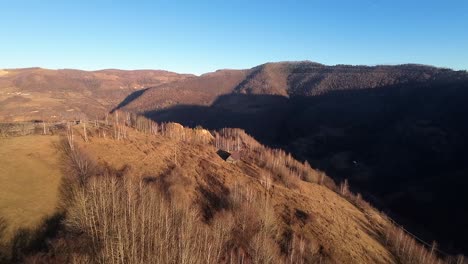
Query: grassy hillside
point(333, 226)
point(161, 192)
point(42, 94)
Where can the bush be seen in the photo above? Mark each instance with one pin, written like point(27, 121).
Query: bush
point(76, 165)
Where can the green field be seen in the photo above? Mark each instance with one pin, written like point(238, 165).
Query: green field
point(29, 180)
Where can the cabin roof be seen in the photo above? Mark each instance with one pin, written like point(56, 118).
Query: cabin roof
point(235, 155)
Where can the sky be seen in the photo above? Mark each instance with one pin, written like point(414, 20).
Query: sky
point(203, 36)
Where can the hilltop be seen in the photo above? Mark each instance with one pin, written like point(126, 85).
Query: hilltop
point(290, 79)
point(202, 90)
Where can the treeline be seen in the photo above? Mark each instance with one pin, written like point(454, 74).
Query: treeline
point(117, 124)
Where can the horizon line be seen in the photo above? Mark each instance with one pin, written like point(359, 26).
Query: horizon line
point(231, 69)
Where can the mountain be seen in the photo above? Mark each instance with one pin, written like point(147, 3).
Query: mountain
point(43, 94)
point(202, 90)
point(397, 133)
point(306, 78)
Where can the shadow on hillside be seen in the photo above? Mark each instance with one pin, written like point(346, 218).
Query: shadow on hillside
point(31, 242)
point(133, 96)
point(403, 147)
point(261, 116)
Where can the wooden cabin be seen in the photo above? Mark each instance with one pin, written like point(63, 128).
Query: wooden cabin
point(230, 157)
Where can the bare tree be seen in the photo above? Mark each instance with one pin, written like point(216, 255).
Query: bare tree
point(84, 131)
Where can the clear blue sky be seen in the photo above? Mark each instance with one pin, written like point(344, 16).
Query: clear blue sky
point(202, 36)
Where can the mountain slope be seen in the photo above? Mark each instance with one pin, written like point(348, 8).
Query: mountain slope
point(309, 79)
point(36, 93)
point(202, 90)
point(396, 132)
point(333, 226)
point(289, 79)
point(264, 217)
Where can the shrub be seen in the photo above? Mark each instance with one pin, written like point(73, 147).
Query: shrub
point(76, 164)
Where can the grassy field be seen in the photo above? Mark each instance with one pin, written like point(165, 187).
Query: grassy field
point(29, 179)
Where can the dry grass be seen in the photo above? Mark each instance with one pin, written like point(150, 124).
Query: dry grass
point(156, 195)
point(125, 220)
point(282, 167)
point(407, 249)
point(29, 178)
point(327, 226)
